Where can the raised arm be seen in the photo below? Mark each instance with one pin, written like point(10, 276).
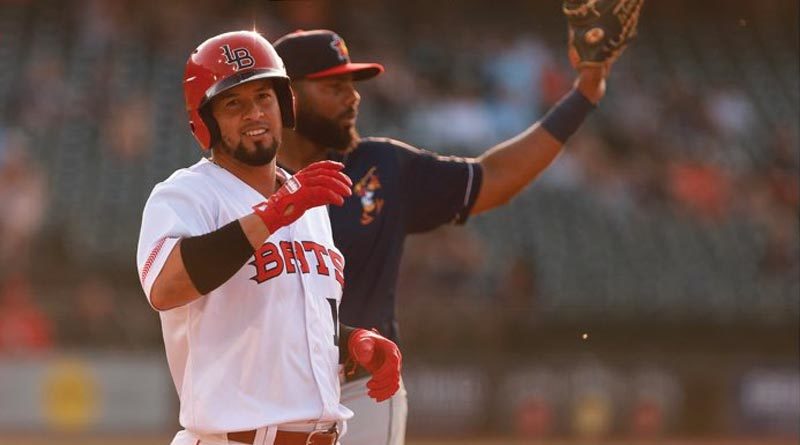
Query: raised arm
point(513, 164)
point(227, 248)
point(599, 30)
point(197, 265)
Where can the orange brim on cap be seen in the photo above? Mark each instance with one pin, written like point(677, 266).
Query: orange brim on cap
point(360, 71)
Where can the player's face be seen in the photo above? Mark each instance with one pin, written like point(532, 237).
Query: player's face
point(326, 111)
point(249, 120)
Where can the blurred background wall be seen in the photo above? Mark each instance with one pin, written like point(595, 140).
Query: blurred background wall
point(646, 286)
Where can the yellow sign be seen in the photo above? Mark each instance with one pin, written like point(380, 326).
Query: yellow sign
point(70, 396)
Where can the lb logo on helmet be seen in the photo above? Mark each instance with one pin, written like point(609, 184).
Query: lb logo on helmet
point(240, 57)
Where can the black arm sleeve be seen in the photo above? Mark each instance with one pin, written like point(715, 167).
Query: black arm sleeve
point(213, 258)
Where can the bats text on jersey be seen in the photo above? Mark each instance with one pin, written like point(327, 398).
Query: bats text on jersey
point(271, 260)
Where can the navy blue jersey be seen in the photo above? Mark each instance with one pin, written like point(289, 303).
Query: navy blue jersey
point(397, 190)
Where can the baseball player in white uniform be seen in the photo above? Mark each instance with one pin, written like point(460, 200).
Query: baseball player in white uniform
point(238, 258)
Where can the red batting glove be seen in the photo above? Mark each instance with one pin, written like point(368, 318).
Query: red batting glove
point(381, 357)
point(320, 183)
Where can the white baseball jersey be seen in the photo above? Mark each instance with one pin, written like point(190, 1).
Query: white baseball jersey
point(259, 350)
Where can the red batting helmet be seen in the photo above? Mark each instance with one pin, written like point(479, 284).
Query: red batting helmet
point(223, 62)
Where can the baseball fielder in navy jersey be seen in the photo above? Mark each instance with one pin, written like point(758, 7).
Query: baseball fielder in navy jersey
point(399, 190)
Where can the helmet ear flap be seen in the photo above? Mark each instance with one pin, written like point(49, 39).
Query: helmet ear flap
point(211, 124)
point(285, 96)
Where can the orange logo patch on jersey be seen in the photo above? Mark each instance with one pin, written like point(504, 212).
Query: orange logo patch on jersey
point(365, 189)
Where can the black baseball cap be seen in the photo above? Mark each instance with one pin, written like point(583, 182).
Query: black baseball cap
point(320, 53)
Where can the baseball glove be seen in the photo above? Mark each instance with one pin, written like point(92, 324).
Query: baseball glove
point(599, 30)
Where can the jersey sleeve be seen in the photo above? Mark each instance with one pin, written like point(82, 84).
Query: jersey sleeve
point(172, 212)
point(440, 189)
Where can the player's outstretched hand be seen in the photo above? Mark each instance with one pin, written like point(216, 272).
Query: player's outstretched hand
point(381, 357)
point(600, 30)
point(320, 183)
